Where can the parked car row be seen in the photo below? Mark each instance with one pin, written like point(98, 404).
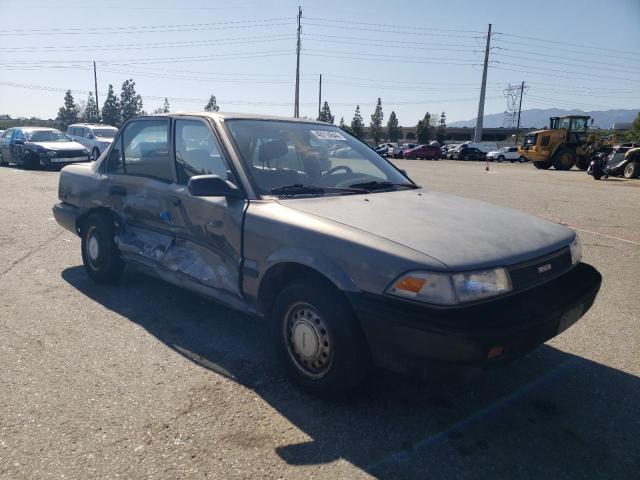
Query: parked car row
point(464, 151)
point(32, 147)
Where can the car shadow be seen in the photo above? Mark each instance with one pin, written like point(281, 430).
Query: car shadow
point(551, 413)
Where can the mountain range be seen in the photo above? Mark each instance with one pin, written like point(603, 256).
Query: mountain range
point(538, 118)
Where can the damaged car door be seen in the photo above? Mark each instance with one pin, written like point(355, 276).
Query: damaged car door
point(187, 240)
point(207, 229)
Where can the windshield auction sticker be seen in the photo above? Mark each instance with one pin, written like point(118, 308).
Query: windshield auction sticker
point(327, 135)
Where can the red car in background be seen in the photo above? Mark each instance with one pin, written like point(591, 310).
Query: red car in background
point(425, 152)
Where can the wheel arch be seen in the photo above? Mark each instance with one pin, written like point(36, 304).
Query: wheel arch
point(283, 272)
point(96, 210)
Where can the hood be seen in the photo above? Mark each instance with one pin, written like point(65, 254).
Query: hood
point(60, 146)
point(461, 233)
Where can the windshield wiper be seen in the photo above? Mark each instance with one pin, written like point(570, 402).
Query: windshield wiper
point(301, 189)
point(377, 185)
point(297, 189)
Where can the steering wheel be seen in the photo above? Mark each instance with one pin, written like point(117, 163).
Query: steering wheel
point(339, 167)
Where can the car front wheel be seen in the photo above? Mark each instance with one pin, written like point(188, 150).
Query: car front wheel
point(95, 153)
point(501, 158)
point(100, 254)
point(319, 339)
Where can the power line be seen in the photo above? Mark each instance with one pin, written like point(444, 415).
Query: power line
point(144, 46)
point(404, 27)
point(580, 45)
point(151, 28)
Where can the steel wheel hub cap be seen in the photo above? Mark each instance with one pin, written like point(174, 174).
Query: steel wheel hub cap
point(94, 248)
point(308, 340)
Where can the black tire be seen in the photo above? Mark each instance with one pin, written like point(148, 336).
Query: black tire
point(2, 164)
point(101, 259)
point(341, 358)
point(501, 158)
point(582, 163)
point(95, 153)
point(542, 165)
point(564, 158)
point(632, 169)
point(522, 159)
point(29, 161)
point(466, 157)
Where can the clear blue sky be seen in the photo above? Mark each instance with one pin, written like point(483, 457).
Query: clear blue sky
point(416, 55)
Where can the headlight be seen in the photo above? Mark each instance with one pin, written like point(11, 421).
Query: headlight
point(576, 250)
point(85, 151)
point(451, 289)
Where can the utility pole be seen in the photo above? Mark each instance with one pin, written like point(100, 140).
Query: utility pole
point(519, 110)
point(320, 97)
point(477, 137)
point(95, 85)
point(296, 107)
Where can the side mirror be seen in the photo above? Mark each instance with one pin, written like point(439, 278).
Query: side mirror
point(404, 172)
point(212, 186)
point(18, 142)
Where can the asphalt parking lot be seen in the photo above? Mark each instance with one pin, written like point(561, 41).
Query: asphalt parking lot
point(143, 380)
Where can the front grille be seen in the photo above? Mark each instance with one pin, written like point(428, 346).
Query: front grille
point(525, 275)
point(70, 153)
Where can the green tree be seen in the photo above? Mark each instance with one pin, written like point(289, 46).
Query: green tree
point(375, 127)
point(130, 101)
point(357, 124)
point(441, 133)
point(165, 107)
point(424, 129)
point(91, 112)
point(111, 108)
point(393, 129)
point(633, 134)
point(325, 114)
point(212, 105)
point(68, 113)
point(344, 126)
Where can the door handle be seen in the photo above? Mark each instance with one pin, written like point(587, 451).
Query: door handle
point(116, 190)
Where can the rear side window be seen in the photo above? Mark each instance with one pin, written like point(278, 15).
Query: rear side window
point(71, 131)
point(146, 149)
point(544, 141)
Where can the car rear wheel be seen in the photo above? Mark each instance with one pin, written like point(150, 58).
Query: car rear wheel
point(318, 338)
point(542, 165)
point(522, 159)
point(95, 153)
point(100, 255)
point(632, 170)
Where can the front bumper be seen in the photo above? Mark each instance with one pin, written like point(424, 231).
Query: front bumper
point(412, 338)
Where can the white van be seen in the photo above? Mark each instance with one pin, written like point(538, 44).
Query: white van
point(95, 136)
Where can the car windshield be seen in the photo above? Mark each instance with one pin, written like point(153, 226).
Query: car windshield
point(104, 132)
point(46, 136)
point(311, 158)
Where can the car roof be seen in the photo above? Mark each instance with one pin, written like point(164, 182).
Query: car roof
point(101, 125)
point(38, 129)
point(239, 116)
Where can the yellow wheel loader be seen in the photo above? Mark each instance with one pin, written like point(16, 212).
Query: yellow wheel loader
point(564, 144)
